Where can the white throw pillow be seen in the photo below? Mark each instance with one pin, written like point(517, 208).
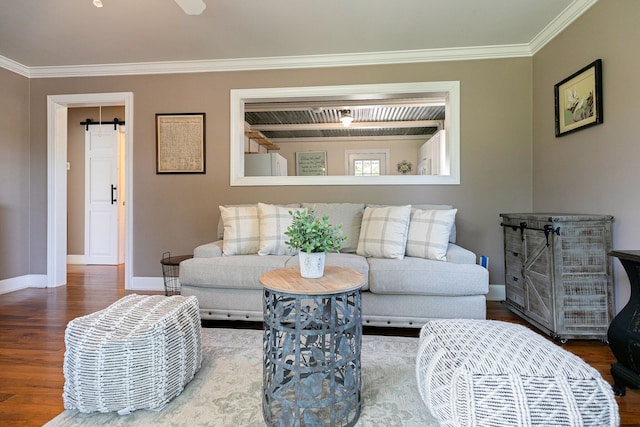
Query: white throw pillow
point(274, 221)
point(383, 233)
point(241, 230)
point(347, 214)
point(429, 233)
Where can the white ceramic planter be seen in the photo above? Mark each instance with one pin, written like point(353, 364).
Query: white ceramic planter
point(311, 264)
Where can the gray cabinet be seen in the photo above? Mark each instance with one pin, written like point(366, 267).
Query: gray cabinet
point(558, 274)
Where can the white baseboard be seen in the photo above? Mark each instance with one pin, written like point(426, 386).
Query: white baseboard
point(75, 259)
point(146, 284)
point(23, 282)
point(496, 293)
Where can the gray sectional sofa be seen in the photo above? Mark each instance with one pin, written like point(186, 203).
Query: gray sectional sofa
point(414, 270)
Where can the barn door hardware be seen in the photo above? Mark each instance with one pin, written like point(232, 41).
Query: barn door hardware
point(521, 227)
point(115, 123)
point(547, 229)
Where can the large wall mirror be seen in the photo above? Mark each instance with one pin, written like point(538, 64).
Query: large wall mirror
point(381, 134)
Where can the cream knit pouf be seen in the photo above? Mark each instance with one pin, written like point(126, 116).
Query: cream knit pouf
point(491, 373)
point(139, 352)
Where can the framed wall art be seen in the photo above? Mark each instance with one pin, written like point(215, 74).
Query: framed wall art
point(311, 163)
point(180, 143)
point(578, 100)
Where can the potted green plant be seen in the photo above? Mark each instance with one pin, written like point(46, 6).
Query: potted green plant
point(314, 237)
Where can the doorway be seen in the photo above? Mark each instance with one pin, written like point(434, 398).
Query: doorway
point(57, 113)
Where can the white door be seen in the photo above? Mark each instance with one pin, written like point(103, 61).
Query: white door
point(101, 206)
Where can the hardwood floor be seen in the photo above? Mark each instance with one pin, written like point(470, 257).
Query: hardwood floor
point(33, 321)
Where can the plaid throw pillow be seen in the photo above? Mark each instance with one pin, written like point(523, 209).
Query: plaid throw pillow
point(383, 233)
point(241, 230)
point(274, 221)
point(429, 232)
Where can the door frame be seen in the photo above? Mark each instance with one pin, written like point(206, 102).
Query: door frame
point(57, 106)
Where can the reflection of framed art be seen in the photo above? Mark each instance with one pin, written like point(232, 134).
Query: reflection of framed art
point(180, 144)
point(578, 99)
point(311, 163)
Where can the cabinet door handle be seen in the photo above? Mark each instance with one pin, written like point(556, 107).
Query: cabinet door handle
point(113, 189)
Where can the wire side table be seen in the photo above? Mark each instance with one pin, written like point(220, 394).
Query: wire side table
point(171, 271)
point(311, 344)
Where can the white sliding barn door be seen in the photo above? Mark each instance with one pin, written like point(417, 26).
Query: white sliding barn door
point(101, 205)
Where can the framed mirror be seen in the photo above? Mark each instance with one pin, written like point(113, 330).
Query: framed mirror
point(347, 128)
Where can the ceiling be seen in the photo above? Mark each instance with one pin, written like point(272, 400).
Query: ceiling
point(378, 118)
point(72, 37)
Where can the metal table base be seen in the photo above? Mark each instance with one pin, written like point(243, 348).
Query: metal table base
point(311, 373)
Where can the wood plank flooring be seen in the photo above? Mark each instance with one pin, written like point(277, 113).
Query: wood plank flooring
point(33, 321)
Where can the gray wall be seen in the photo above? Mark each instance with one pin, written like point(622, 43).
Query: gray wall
point(594, 170)
point(510, 158)
point(14, 175)
point(178, 212)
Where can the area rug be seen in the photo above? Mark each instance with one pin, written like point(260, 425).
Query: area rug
point(227, 389)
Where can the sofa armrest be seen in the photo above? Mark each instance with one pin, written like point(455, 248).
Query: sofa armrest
point(459, 255)
point(208, 250)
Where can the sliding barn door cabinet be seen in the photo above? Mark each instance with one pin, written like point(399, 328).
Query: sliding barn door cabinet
point(558, 273)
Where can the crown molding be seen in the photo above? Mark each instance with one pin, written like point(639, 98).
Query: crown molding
point(11, 65)
point(562, 21)
point(283, 62)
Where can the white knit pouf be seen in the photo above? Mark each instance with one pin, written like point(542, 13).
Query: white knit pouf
point(138, 353)
point(492, 373)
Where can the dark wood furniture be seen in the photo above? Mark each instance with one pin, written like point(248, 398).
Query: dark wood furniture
point(558, 274)
point(624, 331)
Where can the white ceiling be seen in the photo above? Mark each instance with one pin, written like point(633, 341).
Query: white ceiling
point(40, 38)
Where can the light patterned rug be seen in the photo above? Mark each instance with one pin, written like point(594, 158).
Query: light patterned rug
point(227, 389)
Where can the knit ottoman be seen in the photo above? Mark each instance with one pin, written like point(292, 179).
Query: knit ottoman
point(491, 373)
point(138, 353)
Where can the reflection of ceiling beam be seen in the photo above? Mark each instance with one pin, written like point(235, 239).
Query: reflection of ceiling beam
point(355, 125)
point(341, 104)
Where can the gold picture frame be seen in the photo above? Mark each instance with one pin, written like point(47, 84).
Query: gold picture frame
point(578, 100)
point(180, 143)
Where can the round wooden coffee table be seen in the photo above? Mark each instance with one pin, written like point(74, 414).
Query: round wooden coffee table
point(312, 339)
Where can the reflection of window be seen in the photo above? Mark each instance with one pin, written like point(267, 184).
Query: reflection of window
point(366, 162)
point(366, 168)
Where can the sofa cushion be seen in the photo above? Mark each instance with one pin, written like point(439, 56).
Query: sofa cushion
point(419, 276)
point(429, 232)
point(274, 221)
point(347, 214)
point(241, 230)
point(220, 227)
point(238, 272)
point(383, 233)
point(428, 206)
point(353, 261)
point(452, 236)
